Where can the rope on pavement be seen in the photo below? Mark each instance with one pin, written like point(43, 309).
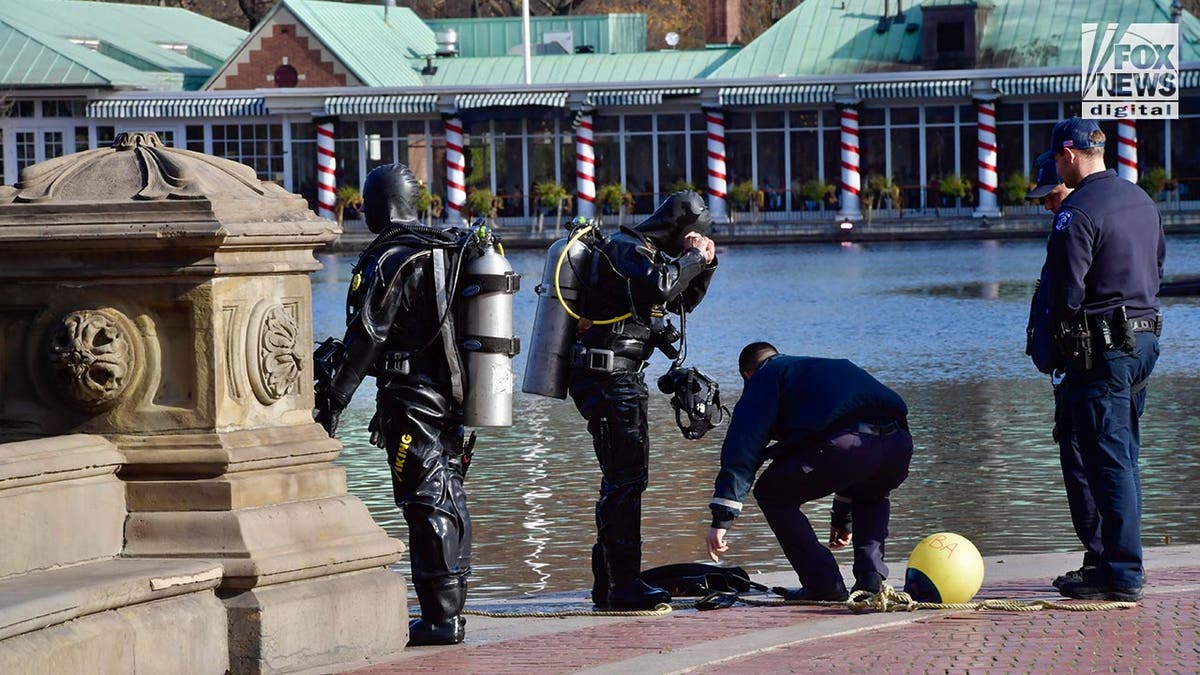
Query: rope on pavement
point(658, 610)
point(889, 599)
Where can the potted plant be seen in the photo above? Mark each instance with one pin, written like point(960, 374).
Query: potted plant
point(615, 200)
point(1154, 182)
point(744, 197)
point(346, 197)
point(550, 195)
point(424, 202)
point(1014, 189)
point(882, 192)
point(954, 188)
point(483, 203)
point(813, 192)
point(680, 186)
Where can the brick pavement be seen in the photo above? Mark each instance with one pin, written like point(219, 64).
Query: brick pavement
point(1162, 634)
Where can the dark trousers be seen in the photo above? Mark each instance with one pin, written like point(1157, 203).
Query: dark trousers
point(424, 446)
point(1084, 516)
point(860, 466)
point(614, 405)
point(1105, 414)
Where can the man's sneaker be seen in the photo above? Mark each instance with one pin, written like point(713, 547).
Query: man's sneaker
point(1090, 588)
point(1072, 576)
point(836, 594)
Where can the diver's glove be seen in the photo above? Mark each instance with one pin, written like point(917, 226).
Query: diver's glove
point(327, 413)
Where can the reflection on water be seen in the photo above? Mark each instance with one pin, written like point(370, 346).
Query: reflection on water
point(943, 323)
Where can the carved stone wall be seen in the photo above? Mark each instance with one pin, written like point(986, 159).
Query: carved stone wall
point(160, 298)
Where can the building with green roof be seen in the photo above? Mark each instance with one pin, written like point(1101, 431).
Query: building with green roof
point(844, 95)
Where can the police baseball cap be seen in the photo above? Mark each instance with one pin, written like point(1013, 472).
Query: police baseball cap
point(1046, 176)
point(1074, 133)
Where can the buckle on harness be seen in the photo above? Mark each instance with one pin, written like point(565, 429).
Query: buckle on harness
point(596, 360)
point(395, 362)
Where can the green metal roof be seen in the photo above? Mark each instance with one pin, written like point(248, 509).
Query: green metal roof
point(36, 48)
point(375, 50)
point(581, 68)
point(826, 38)
point(605, 33)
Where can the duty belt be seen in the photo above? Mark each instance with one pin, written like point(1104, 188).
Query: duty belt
point(886, 429)
point(603, 361)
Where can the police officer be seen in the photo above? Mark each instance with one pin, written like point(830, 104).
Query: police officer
point(1084, 518)
point(1103, 266)
point(663, 265)
point(396, 332)
point(837, 430)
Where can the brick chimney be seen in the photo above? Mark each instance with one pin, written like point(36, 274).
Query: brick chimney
point(724, 22)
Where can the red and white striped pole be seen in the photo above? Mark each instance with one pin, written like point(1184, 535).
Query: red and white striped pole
point(326, 171)
point(585, 167)
point(988, 179)
point(851, 178)
point(456, 172)
point(1127, 159)
point(717, 186)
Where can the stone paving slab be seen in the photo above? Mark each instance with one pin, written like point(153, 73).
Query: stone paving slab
point(1162, 634)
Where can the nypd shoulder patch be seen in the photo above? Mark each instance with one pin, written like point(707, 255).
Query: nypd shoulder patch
point(1062, 221)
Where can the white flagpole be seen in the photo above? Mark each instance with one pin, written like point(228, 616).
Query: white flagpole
point(525, 37)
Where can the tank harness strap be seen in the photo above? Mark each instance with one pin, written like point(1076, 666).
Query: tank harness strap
point(488, 344)
point(476, 284)
point(603, 361)
point(453, 360)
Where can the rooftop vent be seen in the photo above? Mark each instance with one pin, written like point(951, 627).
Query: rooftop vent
point(447, 42)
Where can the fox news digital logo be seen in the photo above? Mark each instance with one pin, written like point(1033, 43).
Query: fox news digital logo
point(1131, 73)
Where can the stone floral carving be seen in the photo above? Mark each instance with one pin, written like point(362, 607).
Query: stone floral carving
point(275, 360)
point(91, 357)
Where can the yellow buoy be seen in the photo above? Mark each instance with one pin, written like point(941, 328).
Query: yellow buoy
point(944, 567)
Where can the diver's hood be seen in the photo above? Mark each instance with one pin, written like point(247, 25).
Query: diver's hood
point(680, 213)
point(390, 197)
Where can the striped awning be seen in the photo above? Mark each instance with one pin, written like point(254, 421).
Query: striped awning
point(396, 104)
point(637, 97)
point(177, 107)
point(1044, 84)
point(925, 89)
point(777, 95)
point(549, 99)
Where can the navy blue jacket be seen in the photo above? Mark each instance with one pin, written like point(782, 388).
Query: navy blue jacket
point(1106, 250)
point(797, 401)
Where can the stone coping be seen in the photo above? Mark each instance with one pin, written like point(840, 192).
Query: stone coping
point(37, 600)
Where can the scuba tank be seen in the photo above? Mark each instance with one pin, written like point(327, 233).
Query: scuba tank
point(487, 337)
point(554, 327)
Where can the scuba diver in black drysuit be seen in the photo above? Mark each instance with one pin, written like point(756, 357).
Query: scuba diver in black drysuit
point(400, 329)
point(664, 264)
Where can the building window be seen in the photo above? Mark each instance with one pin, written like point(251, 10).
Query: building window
point(22, 109)
point(286, 76)
point(951, 38)
point(259, 146)
point(62, 108)
point(26, 142)
point(510, 167)
point(54, 144)
point(194, 133)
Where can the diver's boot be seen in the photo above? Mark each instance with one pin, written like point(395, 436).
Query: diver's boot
point(626, 590)
point(636, 594)
point(442, 602)
point(599, 578)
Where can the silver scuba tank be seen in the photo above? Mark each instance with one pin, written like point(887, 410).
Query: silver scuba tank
point(549, 355)
point(487, 337)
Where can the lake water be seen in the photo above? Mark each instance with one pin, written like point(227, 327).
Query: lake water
point(942, 323)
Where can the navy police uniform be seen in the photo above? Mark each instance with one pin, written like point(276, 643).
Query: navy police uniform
point(644, 271)
point(1103, 265)
point(837, 429)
